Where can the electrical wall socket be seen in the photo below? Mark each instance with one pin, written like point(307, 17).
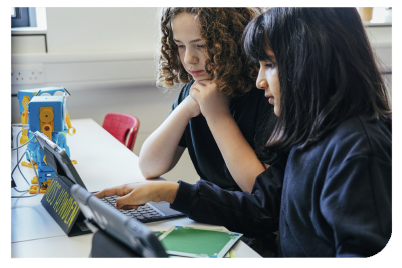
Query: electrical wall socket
point(26, 74)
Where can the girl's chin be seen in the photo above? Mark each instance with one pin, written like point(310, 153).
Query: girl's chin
point(204, 78)
point(276, 111)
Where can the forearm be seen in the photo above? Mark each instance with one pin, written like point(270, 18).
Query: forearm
point(239, 157)
point(158, 152)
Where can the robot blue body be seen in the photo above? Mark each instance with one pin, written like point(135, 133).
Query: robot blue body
point(48, 114)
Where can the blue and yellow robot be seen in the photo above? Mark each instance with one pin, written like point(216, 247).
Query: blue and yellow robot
point(46, 112)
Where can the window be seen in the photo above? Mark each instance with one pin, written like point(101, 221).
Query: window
point(28, 30)
point(23, 17)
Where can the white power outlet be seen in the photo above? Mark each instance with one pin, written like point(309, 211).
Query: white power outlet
point(26, 74)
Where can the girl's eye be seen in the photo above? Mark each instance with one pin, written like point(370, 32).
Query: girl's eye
point(180, 46)
point(201, 46)
point(267, 64)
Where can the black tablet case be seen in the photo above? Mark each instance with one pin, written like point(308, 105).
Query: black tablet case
point(57, 199)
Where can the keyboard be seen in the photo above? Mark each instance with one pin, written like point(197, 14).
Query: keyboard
point(143, 213)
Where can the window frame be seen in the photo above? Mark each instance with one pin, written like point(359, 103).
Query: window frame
point(17, 13)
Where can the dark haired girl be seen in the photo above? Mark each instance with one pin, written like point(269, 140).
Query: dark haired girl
point(330, 191)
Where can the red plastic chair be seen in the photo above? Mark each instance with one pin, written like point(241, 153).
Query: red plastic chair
point(123, 127)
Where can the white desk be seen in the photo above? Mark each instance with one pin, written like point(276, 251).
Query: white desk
point(102, 162)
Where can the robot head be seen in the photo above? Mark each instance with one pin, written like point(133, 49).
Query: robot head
point(46, 114)
point(25, 96)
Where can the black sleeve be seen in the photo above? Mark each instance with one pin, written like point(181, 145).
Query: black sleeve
point(361, 221)
point(182, 95)
point(251, 214)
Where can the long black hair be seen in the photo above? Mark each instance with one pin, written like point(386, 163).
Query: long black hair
point(327, 71)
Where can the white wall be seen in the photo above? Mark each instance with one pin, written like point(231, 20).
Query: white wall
point(381, 40)
point(101, 29)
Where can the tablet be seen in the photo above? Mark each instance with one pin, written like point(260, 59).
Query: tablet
point(127, 230)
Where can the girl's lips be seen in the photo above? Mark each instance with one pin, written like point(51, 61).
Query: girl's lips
point(271, 100)
point(196, 72)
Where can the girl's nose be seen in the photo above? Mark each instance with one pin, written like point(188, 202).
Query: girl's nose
point(189, 58)
point(261, 83)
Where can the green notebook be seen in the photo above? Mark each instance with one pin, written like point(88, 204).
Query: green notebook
point(196, 242)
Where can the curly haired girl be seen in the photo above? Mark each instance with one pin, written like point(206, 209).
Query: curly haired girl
point(219, 114)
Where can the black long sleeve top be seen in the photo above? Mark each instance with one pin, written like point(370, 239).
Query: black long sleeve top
point(332, 199)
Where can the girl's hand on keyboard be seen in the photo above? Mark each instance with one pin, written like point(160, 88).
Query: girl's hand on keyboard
point(136, 194)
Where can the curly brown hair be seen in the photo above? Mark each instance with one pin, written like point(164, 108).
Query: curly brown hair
point(222, 30)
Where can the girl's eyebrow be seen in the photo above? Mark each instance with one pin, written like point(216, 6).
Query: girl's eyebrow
point(269, 57)
point(192, 41)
